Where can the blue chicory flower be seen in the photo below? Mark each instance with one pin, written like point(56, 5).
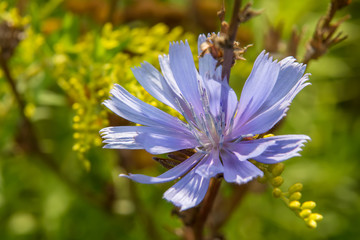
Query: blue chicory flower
point(217, 126)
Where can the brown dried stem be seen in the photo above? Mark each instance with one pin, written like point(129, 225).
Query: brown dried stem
point(195, 218)
point(294, 42)
point(229, 41)
point(229, 34)
point(323, 37)
point(224, 207)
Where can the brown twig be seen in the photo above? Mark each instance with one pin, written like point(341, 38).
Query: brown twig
point(272, 39)
point(112, 10)
point(323, 37)
point(294, 42)
point(225, 207)
point(229, 41)
point(229, 35)
point(194, 225)
point(274, 43)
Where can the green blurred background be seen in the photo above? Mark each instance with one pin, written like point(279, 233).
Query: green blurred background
point(71, 53)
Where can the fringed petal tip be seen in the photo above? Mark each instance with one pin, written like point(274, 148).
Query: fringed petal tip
point(180, 43)
point(140, 178)
point(105, 131)
point(240, 180)
point(182, 204)
point(307, 138)
point(188, 192)
point(265, 56)
point(286, 147)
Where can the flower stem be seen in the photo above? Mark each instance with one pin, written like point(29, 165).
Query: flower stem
point(230, 38)
point(194, 228)
point(224, 207)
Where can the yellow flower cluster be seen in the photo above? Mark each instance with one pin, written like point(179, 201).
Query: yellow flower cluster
point(88, 69)
point(23, 67)
point(272, 175)
point(12, 16)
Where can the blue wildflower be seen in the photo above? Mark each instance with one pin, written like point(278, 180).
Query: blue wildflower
point(219, 127)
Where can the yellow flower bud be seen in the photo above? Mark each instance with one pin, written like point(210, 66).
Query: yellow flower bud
point(97, 141)
point(105, 122)
point(103, 113)
point(295, 196)
point(316, 216)
point(76, 135)
point(73, 81)
point(311, 223)
point(277, 192)
point(80, 111)
point(297, 187)
point(305, 213)
point(277, 181)
point(76, 147)
point(87, 164)
point(101, 93)
point(29, 110)
point(294, 205)
point(83, 149)
point(76, 106)
point(278, 169)
point(308, 205)
point(76, 118)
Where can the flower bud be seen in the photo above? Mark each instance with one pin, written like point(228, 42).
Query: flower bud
point(277, 192)
point(76, 147)
point(294, 205)
point(295, 196)
point(277, 181)
point(76, 135)
point(97, 141)
point(316, 216)
point(311, 223)
point(305, 213)
point(308, 205)
point(76, 118)
point(278, 169)
point(297, 187)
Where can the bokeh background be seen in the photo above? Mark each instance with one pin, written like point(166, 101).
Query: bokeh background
point(56, 182)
